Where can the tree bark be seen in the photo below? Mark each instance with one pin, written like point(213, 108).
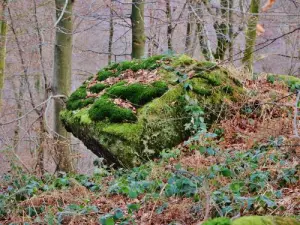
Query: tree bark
point(111, 32)
point(170, 28)
point(189, 28)
point(251, 35)
point(222, 30)
point(201, 33)
point(43, 131)
point(62, 80)
point(230, 31)
point(138, 29)
point(3, 34)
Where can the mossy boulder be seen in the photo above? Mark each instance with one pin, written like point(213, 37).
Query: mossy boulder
point(130, 111)
point(254, 220)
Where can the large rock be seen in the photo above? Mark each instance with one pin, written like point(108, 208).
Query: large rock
point(132, 110)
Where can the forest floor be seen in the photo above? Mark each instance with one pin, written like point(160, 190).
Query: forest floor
point(249, 166)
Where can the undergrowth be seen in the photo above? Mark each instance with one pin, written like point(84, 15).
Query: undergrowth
point(241, 183)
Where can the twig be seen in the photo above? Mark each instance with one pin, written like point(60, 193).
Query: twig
point(207, 205)
point(156, 202)
point(62, 13)
point(296, 115)
point(44, 102)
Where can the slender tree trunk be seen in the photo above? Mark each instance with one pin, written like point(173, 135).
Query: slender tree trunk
point(40, 169)
point(201, 33)
point(138, 29)
point(230, 31)
point(18, 97)
point(170, 27)
point(42, 132)
point(189, 29)
point(202, 41)
point(152, 34)
point(251, 35)
point(3, 33)
point(111, 32)
point(62, 80)
point(222, 30)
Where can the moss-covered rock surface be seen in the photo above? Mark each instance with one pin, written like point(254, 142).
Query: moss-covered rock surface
point(130, 111)
point(254, 220)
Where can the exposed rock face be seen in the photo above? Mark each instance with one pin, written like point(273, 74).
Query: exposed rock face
point(254, 220)
point(130, 111)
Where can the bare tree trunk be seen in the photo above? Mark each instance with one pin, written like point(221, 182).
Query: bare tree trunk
point(170, 28)
point(251, 35)
point(202, 41)
point(152, 36)
point(189, 29)
point(138, 29)
point(111, 32)
point(202, 34)
point(222, 30)
point(230, 31)
point(40, 154)
point(40, 169)
point(18, 98)
point(62, 79)
point(3, 33)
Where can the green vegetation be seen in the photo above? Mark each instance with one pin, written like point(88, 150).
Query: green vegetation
point(292, 82)
point(103, 75)
point(218, 221)
point(115, 69)
point(230, 184)
point(138, 94)
point(78, 99)
point(104, 109)
point(254, 220)
point(97, 88)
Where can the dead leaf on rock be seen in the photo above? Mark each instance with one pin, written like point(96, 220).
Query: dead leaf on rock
point(124, 104)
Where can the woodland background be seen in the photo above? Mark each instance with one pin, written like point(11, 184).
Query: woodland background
point(102, 33)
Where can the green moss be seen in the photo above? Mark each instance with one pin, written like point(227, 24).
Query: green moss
point(228, 89)
point(115, 69)
point(83, 117)
point(78, 99)
point(265, 220)
point(153, 62)
point(104, 109)
point(218, 221)
point(125, 65)
point(254, 220)
point(78, 104)
point(138, 94)
point(205, 66)
point(201, 87)
point(129, 131)
point(214, 78)
point(182, 60)
point(103, 75)
point(97, 88)
point(80, 93)
point(168, 76)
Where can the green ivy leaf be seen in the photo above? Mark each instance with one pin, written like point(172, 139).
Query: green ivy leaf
point(235, 187)
point(133, 194)
point(133, 207)
point(107, 220)
point(226, 172)
point(118, 214)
